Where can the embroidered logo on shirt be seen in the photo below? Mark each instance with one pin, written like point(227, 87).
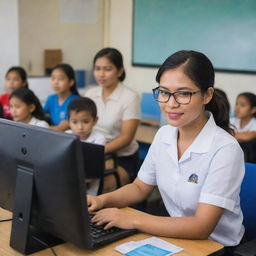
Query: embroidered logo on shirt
point(193, 178)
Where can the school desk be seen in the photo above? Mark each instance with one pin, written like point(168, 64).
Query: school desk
point(191, 247)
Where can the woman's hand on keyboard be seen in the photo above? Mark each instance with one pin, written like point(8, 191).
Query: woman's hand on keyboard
point(94, 203)
point(114, 217)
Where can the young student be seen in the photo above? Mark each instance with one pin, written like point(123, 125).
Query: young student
point(16, 77)
point(196, 163)
point(118, 110)
point(82, 116)
point(244, 121)
point(56, 106)
point(25, 107)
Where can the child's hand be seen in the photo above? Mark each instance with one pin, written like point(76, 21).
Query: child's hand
point(94, 203)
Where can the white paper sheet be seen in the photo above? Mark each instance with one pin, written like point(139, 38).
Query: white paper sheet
point(129, 246)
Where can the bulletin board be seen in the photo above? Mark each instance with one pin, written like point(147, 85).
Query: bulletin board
point(224, 30)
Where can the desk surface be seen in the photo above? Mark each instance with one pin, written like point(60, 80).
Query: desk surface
point(146, 133)
point(191, 247)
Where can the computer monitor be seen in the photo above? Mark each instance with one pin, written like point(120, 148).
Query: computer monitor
point(42, 182)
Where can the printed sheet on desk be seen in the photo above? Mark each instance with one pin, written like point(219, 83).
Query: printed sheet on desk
point(151, 246)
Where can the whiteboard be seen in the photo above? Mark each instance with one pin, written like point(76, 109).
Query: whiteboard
point(224, 30)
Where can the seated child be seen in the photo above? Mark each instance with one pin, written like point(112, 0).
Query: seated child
point(244, 122)
point(25, 107)
point(16, 77)
point(82, 116)
point(64, 86)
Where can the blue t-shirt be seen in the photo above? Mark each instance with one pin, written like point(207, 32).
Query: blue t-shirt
point(57, 112)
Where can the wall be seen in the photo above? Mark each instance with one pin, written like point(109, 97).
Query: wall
point(143, 79)
point(9, 37)
point(41, 28)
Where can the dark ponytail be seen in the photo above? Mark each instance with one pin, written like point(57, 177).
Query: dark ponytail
point(220, 108)
point(200, 70)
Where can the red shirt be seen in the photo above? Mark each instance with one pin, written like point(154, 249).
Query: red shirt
point(4, 101)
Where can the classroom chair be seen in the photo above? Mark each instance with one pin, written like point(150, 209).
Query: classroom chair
point(107, 172)
point(143, 150)
point(150, 111)
point(150, 115)
point(248, 205)
point(248, 200)
point(96, 169)
point(249, 148)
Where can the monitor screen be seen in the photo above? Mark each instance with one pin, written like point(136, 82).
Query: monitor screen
point(42, 182)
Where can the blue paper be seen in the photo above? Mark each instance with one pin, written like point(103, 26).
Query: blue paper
point(148, 249)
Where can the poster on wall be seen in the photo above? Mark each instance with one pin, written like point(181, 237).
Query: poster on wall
point(78, 11)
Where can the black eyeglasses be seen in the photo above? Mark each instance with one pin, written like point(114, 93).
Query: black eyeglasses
point(163, 96)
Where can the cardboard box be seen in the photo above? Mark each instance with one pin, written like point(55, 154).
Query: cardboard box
point(52, 57)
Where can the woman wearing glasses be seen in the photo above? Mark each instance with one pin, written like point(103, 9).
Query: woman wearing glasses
point(195, 162)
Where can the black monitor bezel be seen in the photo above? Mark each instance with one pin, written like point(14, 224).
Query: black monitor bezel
point(19, 142)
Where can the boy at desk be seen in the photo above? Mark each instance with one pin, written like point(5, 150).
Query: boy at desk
point(195, 161)
point(82, 116)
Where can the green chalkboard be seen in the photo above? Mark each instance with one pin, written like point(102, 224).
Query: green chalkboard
point(224, 30)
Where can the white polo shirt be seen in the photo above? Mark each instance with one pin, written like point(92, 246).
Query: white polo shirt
point(210, 171)
point(37, 122)
point(123, 104)
point(94, 137)
point(251, 126)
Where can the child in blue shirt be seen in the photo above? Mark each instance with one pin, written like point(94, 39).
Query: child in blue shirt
point(64, 85)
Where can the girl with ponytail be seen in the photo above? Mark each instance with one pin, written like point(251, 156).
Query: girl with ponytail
point(196, 163)
point(244, 122)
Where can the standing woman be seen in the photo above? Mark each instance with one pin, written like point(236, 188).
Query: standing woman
point(196, 163)
point(118, 110)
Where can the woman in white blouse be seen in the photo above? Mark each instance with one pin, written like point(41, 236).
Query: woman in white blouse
point(194, 161)
point(118, 110)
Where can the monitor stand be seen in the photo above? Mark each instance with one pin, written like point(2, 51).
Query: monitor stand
point(25, 237)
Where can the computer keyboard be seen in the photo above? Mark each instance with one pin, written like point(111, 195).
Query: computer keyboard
point(99, 231)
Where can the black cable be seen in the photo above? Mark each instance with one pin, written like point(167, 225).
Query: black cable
point(46, 245)
point(5, 220)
